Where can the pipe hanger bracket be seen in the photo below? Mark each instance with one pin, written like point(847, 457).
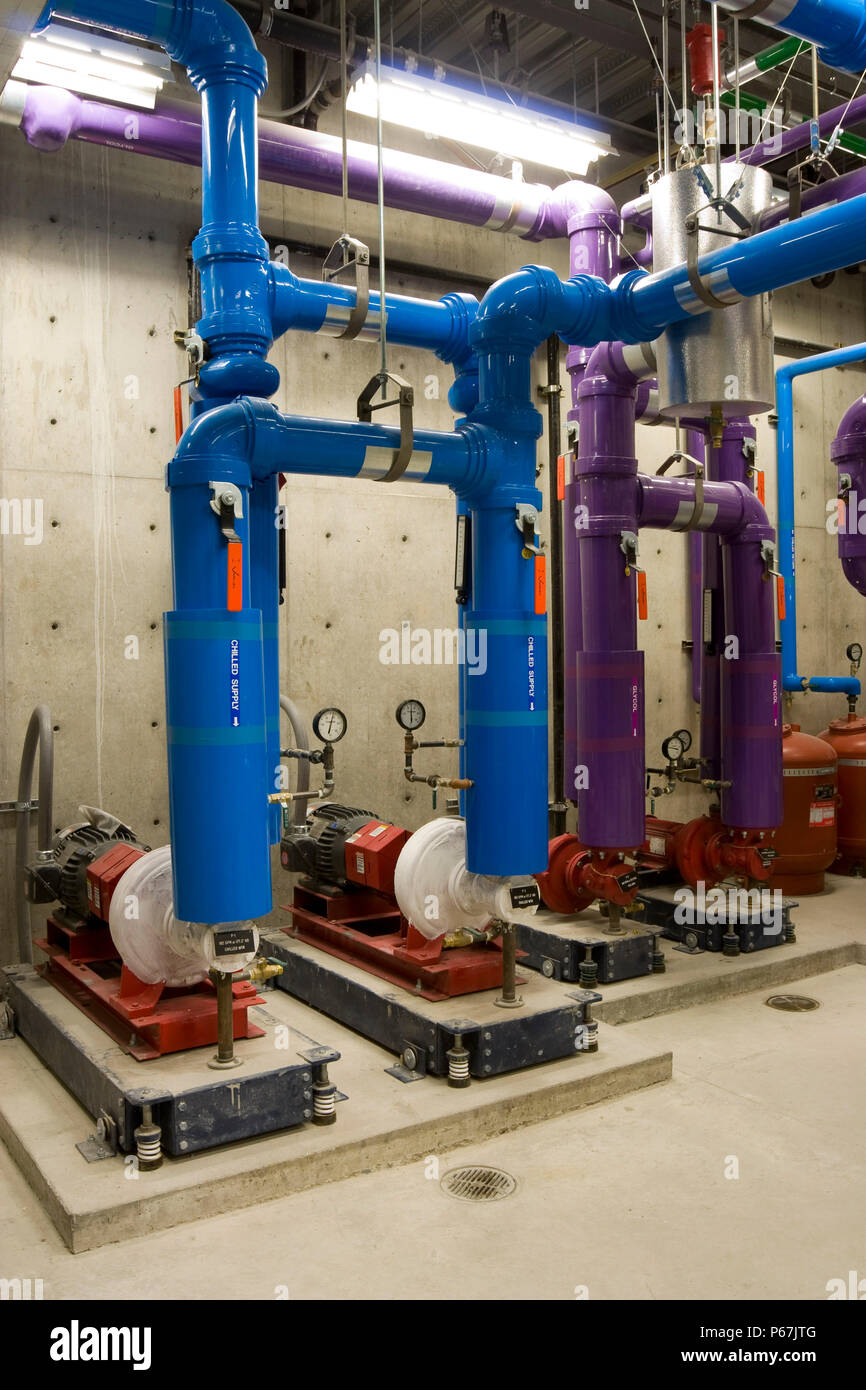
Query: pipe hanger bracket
point(405, 399)
point(694, 521)
point(348, 253)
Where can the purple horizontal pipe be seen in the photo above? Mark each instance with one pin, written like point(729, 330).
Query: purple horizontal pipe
point(308, 159)
point(668, 504)
point(799, 136)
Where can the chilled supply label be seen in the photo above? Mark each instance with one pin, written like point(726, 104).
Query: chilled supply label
point(235, 667)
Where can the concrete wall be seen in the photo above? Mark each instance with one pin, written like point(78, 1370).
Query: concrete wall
point(93, 283)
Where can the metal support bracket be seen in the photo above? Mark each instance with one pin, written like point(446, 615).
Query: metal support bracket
point(526, 522)
point(694, 521)
point(693, 228)
point(196, 348)
point(348, 253)
point(629, 545)
point(227, 501)
point(768, 555)
point(405, 399)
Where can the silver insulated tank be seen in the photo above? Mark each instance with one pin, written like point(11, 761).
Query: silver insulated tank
point(722, 358)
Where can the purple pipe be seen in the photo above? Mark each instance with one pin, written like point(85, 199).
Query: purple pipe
point(751, 688)
point(848, 452)
point(824, 195)
point(668, 504)
point(304, 158)
point(799, 136)
point(594, 248)
point(726, 464)
point(610, 739)
point(696, 447)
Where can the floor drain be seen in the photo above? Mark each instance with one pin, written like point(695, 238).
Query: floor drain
point(792, 1003)
point(478, 1184)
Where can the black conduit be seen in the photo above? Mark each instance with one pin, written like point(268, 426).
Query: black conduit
point(39, 736)
point(553, 393)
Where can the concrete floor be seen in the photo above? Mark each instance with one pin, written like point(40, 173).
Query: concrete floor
point(625, 1199)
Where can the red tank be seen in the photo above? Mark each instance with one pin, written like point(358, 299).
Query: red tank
point(806, 839)
point(848, 737)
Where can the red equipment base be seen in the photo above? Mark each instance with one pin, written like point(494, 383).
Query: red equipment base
point(147, 1021)
point(367, 930)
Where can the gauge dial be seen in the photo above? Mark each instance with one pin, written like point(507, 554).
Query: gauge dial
point(672, 748)
point(855, 653)
point(685, 739)
point(330, 725)
point(411, 715)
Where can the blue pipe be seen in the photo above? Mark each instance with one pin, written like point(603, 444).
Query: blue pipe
point(838, 27)
point(317, 306)
point(218, 689)
point(785, 377)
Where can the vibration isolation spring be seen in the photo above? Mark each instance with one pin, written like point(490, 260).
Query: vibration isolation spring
point(324, 1098)
point(148, 1142)
point(458, 1063)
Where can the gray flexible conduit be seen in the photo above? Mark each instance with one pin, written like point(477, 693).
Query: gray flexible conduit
point(301, 732)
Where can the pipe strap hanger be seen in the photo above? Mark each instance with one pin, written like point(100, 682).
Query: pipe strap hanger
point(697, 516)
point(405, 399)
point(348, 253)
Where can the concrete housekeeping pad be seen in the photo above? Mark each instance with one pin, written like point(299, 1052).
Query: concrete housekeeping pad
point(381, 1124)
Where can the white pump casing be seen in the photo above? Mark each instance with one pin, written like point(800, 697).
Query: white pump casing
point(154, 944)
point(437, 893)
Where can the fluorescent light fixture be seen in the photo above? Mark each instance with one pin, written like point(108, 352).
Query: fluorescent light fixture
point(490, 123)
point(80, 60)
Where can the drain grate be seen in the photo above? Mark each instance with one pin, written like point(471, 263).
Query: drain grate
point(792, 1003)
point(478, 1184)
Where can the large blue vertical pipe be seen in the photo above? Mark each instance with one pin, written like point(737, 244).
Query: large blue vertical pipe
point(785, 378)
point(215, 662)
point(265, 540)
point(215, 717)
point(505, 697)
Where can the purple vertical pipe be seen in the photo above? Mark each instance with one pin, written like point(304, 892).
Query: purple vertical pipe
point(727, 464)
point(750, 671)
point(609, 723)
point(594, 230)
point(695, 447)
point(751, 686)
point(848, 452)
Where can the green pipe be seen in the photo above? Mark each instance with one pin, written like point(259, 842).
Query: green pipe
point(778, 53)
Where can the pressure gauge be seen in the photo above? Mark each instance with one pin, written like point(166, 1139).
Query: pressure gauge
point(673, 748)
point(685, 738)
point(855, 653)
point(411, 715)
point(330, 725)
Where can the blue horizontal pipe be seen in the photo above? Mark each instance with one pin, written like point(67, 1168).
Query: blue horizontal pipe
point(785, 377)
point(837, 27)
point(830, 239)
point(316, 306)
point(251, 439)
